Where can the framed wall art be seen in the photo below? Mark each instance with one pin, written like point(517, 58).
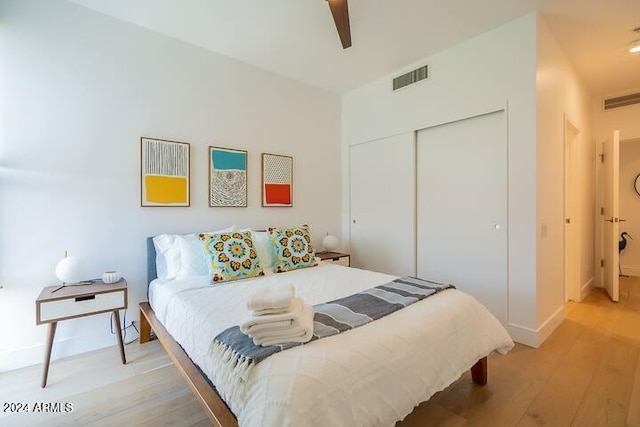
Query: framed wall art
point(277, 180)
point(164, 172)
point(227, 177)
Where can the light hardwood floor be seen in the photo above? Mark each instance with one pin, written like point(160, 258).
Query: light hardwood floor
point(586, 374)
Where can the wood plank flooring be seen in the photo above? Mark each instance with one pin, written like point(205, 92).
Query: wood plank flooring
point(586, 374)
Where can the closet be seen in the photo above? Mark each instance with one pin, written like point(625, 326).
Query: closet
point(443, 210)
point(382, 205)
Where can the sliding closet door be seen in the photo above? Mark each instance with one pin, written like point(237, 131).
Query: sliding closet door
point(382, 205)
point(462, 207)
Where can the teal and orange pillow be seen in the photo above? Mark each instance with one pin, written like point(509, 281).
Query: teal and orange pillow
point(231, 256)
point(292, 248)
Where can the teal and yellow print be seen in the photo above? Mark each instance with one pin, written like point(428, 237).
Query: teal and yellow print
point(292, 248)
point(231, 256)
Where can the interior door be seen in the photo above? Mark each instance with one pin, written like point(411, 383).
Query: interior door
point(611, 216)
point(382, 205)
point(462, 207)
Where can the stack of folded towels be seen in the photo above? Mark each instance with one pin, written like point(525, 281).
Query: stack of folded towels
point(278, 317)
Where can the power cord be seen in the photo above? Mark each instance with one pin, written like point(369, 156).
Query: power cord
point(123, 331)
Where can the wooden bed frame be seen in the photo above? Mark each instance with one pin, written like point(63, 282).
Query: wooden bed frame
point(218, 412)
point(215, 408)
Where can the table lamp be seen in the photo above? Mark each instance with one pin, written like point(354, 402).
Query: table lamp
point(69, 270)
point(330, 243)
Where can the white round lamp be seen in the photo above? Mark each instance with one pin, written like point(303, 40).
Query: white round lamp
point(69, 270)
point(330, 243)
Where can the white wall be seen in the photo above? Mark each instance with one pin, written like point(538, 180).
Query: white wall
point(78, 90)
point(627, 121)
point(493, 71)
point(561, 93)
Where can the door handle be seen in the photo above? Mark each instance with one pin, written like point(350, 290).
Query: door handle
point(623, 220)
point(613, 220)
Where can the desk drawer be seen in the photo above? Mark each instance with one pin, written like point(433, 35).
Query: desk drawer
point(343, 260)
point(81, 306)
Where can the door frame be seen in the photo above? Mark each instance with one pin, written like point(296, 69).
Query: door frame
point(571, 238)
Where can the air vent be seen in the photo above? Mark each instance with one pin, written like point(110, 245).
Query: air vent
point(411, 77)
point(622, 101)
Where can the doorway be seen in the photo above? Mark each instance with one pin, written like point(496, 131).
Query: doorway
point(630, 207)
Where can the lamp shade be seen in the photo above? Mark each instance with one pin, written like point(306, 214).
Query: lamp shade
point(330, 243)
point(69, 270)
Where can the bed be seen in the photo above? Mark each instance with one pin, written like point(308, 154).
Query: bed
point(372, 375)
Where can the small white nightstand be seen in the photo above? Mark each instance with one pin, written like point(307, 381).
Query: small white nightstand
point(56, 303)
point(335, 257)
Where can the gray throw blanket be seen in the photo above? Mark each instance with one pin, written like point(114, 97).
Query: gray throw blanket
point(236, 353)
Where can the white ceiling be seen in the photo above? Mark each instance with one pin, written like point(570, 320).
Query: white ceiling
point(297, 38)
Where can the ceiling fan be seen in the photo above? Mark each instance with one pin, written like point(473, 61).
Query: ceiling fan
point(340, 12)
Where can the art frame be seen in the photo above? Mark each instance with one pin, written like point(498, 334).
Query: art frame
point(228, 177)
point(165, 169)
point(277, 180)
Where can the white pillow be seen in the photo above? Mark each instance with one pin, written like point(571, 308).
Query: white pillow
point(167, 256)
point(192, 257)
point(264, 247)
point(193, 260)
point(172, 263)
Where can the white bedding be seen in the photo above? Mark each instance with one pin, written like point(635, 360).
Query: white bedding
point(372, 375)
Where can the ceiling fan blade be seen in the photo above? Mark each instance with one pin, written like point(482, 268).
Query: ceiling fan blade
point(340, 12)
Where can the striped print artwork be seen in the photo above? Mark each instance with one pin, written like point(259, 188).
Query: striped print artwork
point(165, 171)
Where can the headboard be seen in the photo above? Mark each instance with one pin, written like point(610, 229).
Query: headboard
point(151, 261)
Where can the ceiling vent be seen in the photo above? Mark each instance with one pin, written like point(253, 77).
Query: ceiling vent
point(411, 77)
point(622, 101)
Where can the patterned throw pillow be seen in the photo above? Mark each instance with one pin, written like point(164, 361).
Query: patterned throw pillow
point(231, 256)
point(292, 248)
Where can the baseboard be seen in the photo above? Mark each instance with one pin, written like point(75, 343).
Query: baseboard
point(522, 334)
point(534, 338)
point(631, 271)
point(586, 288)
point(63, 347)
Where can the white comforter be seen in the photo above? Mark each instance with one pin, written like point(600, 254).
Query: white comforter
point(373, 375)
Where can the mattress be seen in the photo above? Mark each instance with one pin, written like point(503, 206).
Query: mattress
point(372, 375)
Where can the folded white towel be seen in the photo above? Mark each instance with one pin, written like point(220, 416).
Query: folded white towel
point(271, 311)
point(301, 333)
point(271, 326)
point(283, 328)
point(276, 297)
point(269, 319)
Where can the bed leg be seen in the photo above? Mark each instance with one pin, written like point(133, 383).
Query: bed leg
point(479, 371)
point(145, 327)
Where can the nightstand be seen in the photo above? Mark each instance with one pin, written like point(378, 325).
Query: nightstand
point(335, 257)
point(55, 304)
